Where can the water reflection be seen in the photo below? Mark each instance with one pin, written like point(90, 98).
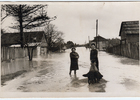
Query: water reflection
point(124, 60)
point(74, 78)
point(131, 84)
point(18, 65)
point(13, 66)
point(75, 81)
point(128, 61)
point(98, 87)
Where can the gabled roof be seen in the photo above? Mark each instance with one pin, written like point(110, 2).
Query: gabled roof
point(14, 38)
point(99, 38)
point(129, 27)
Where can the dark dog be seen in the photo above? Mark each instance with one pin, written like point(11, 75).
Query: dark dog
point(93, 76)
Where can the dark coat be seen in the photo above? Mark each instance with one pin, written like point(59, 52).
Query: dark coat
point(94, 57)
point(74, 61)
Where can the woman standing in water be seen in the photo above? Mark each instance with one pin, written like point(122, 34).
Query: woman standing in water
point(94, 69)
point(74, 61)
point(94, 55)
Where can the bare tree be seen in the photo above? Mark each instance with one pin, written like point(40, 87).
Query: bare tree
point(54, 37)
point(27, 16)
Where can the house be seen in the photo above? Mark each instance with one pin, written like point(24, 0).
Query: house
point(36, 38)
point(102, 43)
point(129, 32)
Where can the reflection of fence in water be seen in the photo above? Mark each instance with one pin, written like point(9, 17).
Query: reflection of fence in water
point(20, 64)
point(43, 50)
point(8, 53)
point(130, 50)
point(14, 66)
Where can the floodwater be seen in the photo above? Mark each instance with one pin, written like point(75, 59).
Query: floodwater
point(50, 73)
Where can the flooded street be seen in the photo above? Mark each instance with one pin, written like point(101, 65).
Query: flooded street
point(51, 74)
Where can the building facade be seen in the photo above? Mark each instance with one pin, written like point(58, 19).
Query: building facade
point(101, 43)
point(129, 32)
point(36, 38)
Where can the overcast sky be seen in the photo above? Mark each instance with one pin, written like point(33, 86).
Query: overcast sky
point(77, 20)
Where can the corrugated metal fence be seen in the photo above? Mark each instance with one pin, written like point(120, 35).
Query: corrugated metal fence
point(8, 53)
point(130, 50)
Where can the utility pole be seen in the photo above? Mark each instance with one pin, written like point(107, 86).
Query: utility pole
point(89, 42)
point(96, 31)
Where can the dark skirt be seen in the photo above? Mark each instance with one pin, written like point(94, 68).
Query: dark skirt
point(74, 64)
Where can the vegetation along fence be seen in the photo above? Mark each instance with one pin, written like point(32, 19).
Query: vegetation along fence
point(8, 53)
point(130, 50)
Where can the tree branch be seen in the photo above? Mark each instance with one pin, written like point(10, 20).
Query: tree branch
point(13, 8)
point(33, 9)
point(35, 25)
point(4, 17)
point(35, 19)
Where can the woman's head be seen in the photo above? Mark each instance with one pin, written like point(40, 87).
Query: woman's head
point(92, 45)
point(73, 49)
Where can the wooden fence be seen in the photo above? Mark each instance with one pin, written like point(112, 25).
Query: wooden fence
point(130, 50)
point(8, 53)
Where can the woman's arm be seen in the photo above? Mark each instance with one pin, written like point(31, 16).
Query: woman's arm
point(77, 55)
point(74, 55)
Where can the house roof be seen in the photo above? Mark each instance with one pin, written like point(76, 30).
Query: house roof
point(129, 27)
point(99, 38)
point(14, 38)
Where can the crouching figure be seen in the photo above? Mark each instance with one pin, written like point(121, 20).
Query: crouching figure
point(93, 75)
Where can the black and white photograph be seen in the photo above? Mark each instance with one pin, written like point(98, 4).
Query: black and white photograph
point(70, 49)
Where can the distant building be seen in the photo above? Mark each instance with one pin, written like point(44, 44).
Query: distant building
point(31, 38)
point(102, 43)
point(129, 32)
